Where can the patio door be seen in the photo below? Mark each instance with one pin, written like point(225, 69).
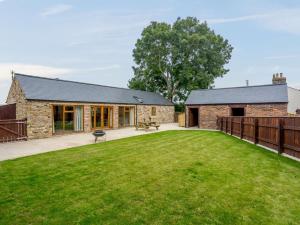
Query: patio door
point(67, 118)
point(107, 117)
point(126, 116)
point(101, 117)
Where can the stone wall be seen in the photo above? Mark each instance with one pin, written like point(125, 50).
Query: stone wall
point(39, 119)
point(164, 114)
point(87, 118)
point(40, 116)
point(209, 113)
point(16, 95)
point(115, 116)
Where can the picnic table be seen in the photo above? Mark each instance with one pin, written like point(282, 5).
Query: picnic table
point(147, 124)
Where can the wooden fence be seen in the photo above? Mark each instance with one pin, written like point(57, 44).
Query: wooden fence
point(279, 133)
point(13, 130)
point(8, 112)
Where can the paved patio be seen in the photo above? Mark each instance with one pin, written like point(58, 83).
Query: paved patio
point(25, 148)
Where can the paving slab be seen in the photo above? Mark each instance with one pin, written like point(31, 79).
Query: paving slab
point(13, 150)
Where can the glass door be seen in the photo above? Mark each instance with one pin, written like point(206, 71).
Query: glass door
point(78, 126)
point(126, 116)
point(98, 117)
point(107, 117)
point(67, 118)
point(101, 117)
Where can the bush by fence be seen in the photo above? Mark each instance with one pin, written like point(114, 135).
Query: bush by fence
point(279, 133)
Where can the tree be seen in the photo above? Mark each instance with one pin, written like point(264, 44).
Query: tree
point(175, 59)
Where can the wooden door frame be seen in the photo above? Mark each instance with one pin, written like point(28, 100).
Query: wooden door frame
point(134, 115)
point(110, 111)
point(63, 115)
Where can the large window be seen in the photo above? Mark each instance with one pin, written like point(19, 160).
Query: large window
point(101, 117)
point(67, 118)
point(126, 116)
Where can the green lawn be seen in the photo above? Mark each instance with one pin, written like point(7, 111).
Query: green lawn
point(174, 177)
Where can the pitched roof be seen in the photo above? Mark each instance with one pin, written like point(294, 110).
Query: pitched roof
point(240, 95)
point(47, 89)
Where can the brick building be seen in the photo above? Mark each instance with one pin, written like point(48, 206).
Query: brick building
point(277, 99)
point(54, 106)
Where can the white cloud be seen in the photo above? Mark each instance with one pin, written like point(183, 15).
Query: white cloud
point(110, 67)
point(236, 19)
point(282, 57)
point(103, 68)
point(31, 69)
point(56, 9)
point(287, 20)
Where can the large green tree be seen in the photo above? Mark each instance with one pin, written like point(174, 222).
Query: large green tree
point(175, 59)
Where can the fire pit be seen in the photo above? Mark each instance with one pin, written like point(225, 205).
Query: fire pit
point(98, 133)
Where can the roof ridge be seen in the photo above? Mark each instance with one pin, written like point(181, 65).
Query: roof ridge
point(294, 88)
point(78, 82)
point(263, 85)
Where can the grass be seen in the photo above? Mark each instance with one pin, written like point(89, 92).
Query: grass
point(173, 177)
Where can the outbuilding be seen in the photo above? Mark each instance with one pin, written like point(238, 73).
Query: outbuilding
point(277, 99)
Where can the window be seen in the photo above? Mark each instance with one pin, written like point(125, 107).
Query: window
point(101, 117)
point(126, 116)
point(153, 111)
point(238, 111)
point(67, 118)
point(69, 108)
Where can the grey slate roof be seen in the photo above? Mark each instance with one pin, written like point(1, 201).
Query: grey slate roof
point(41, 88)
point(240, 95)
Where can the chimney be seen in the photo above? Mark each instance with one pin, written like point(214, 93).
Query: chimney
point(278, 78)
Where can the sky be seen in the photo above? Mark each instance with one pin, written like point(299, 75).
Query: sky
point(92, 41)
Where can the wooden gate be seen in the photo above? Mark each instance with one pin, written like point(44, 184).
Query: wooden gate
point(13, 130)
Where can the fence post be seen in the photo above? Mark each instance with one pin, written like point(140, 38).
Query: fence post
point(226, 125)
point(280, 136)
point(242, 128)
point(255, 130)
point(221, 127)
point(231, 126)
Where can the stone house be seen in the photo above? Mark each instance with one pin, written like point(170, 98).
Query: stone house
point(277, 99)
point(55, 106)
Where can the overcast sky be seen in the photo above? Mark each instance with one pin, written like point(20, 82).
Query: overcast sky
point(92, 41)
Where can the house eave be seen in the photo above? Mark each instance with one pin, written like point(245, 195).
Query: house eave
point(249, 103)
point(88, 102)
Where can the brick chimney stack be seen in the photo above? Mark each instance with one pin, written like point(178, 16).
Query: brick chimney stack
point(278, 78)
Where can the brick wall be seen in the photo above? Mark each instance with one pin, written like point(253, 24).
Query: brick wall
point(209, 113)
point(267, 110)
